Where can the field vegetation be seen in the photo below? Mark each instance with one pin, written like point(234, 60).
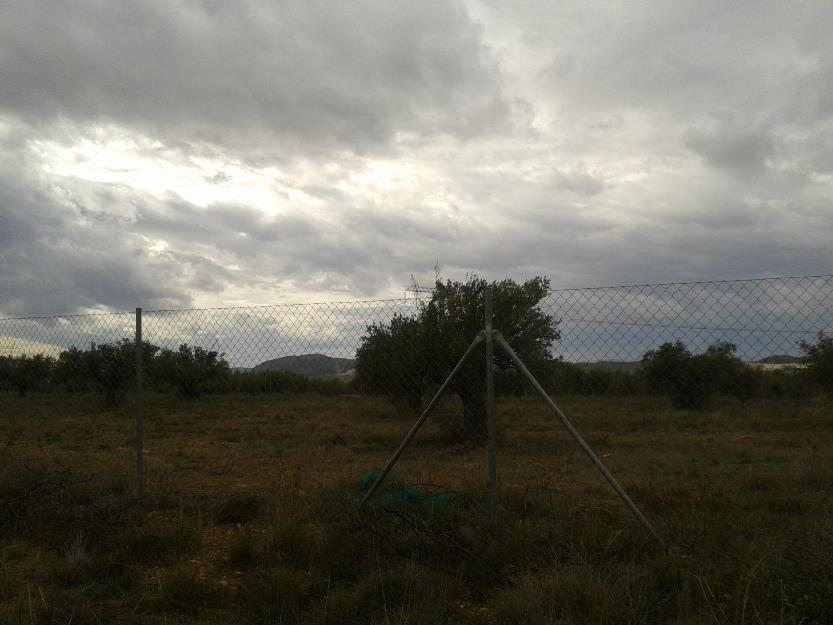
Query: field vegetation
point(250, 514)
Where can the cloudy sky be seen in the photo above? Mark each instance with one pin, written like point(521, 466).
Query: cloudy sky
point(204, 153)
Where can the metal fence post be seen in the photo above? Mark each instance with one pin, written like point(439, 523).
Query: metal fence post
point(490, 409)
point(140, 426)
point(520, 366)
point(425, 413)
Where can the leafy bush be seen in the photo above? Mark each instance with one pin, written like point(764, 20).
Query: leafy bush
point(107, 367)
point(727, 374)
point(672, 370)
point(665, 367)
point(691, 380)
point(72, 371)
point(112, 367)
point(819, 359)
point(192, 370)
point(786, 383)
point(563, 378)
point(26, 372)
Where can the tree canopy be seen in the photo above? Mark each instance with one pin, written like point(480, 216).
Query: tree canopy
point(409, 354)
point(819, 359)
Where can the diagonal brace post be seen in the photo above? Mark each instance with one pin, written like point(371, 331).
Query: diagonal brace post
point(576, 436)
point(425, 413)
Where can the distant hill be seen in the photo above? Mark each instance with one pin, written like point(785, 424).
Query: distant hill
point(310, 365)
point(780, 359)
point(611, 365)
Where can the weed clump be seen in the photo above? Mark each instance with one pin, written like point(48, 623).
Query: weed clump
point(239, 509)
point(158, 543)
point(274, 594)
point(182, 591)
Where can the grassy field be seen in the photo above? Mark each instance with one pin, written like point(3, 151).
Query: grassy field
point(251, 516)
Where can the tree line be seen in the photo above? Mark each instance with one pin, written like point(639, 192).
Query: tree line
point(110, 369)
point(689, 380)
point(408, 357)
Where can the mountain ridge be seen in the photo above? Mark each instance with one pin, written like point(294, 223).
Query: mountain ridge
point(310, 365)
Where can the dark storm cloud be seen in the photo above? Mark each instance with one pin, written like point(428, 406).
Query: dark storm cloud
point(55, 260)
point(246, 75)
point(688, 57)
point(595, 144)
point(60, 258)
point(743, 151)
point(89, 245)
point(241, 230)
point(366, 240)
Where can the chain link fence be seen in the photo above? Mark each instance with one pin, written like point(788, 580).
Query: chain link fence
point(690, 343)
point(695, 342)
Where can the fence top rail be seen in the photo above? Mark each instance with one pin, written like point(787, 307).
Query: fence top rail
point(692, 283)
point(671, 326)
point(286, 305)
point(112, 313)
point(408, 299)
point(147, 311)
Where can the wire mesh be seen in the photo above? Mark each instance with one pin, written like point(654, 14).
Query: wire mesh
point(695, 341)
point(71, 353)
point(689, 342)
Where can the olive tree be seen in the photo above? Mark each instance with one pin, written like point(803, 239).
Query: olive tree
point(404, 357)
point(191, 369)
point(26, 372)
